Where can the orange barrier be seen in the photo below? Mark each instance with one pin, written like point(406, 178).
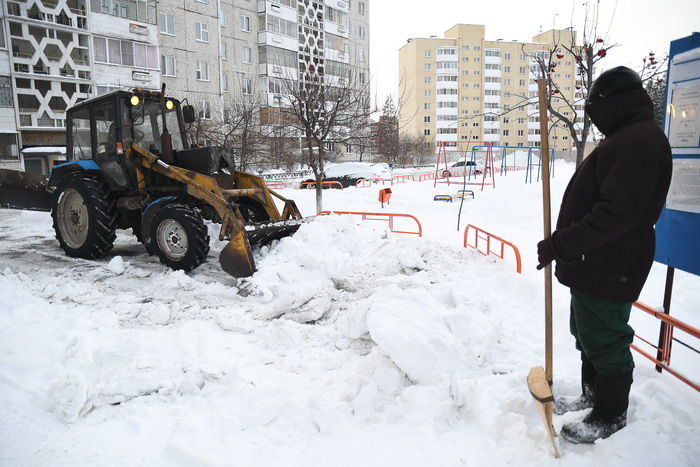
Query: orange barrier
point(664, 350)
point(382, 217)
point(275, 184)
point(367, 182)
point(480, 234)
point(430, 176)
point(310, 185)
point(401, 178)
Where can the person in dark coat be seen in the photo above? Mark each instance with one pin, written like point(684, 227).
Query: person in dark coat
point(604, 245)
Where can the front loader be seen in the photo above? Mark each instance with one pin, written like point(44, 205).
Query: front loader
point(126, 170)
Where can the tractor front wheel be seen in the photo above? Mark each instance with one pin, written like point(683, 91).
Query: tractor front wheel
point(84, 217)
point(180, 237)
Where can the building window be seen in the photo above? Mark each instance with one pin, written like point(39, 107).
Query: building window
point(126, 53)
point(361, 33)
point(224, 83)
point(426, 80)
point(5, 92)
point(247, 86)
point(426, 132)
point(505, 132)
point(205, 109)
point(426, 53)
point(427, 93)
point(202, 71)
point(506, 56)
point(247, 55)
point(361, 8)
point(224, 52)
point(245, 23)
point(201, 31)
point(166, 23)
point(427, 67)
point(426, 119)
point(167, 65)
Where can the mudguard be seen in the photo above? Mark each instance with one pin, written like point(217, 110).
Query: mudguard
point(60, 171)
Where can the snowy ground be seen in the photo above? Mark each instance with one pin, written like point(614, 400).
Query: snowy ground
point(348, 347)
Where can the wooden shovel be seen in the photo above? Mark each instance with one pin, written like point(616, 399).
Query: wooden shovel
point(539, 380)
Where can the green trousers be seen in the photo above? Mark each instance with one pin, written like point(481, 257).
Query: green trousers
point(602, 333)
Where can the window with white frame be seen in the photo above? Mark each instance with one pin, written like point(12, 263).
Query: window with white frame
point(426, 80)
point(426, 106)
point(245, 23)
point(201, 31)
point(205, 109)
point(128, 53)
point(247, 55)
point(426, 119)
point(224, 83)
point(247, 86)
point(426, 53)
point(426, 93)
point(426, 132)
point(427, 67)
point(361, 8)
point(166, 24)
point(6, 99)
point(167, 65)
point(224, 50)
point(361, 32)
point(202, 71)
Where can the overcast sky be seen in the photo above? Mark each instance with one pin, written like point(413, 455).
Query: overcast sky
point(639, 26)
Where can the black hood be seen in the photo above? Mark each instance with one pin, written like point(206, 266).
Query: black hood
point(619, 110)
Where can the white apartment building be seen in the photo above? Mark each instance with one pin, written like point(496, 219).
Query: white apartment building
point(55, 53)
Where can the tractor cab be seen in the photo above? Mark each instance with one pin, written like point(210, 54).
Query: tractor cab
point(100, 129)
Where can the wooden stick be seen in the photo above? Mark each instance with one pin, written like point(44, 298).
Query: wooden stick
point(546, 205)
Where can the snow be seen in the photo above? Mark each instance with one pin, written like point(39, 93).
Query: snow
point(349, 346)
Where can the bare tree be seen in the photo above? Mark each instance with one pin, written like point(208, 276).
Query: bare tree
point(327, 109)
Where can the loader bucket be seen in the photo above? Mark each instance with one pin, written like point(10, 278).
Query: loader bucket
point(24, 190)
point(236, 258)
point(265, 232)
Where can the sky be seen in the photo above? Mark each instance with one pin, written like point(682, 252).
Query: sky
point(639, 26)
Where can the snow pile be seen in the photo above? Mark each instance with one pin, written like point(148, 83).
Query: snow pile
point(349, 346)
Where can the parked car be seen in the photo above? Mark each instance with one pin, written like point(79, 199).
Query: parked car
point(471, 167)
point(348, 173)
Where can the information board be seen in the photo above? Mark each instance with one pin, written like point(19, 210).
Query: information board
point(678, 228)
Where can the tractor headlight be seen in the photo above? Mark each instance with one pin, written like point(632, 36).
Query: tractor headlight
point(169, 104)
point(134, 100)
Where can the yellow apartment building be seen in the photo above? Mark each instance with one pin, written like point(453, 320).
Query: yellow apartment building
point(462, 87)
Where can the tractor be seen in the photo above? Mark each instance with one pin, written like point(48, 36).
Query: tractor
point(130, 166)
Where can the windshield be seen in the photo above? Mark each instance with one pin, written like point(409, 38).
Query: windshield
point(143, 124)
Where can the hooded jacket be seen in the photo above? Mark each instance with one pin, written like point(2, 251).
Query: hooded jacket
point(604, 238)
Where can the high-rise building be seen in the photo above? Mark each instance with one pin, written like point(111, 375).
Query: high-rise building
point(56, 53)
point(462, 87)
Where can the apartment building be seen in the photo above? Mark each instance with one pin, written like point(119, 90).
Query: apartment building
point(56, 53)
point(462, 87)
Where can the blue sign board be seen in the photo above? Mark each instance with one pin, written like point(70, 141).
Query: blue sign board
point(678, 228)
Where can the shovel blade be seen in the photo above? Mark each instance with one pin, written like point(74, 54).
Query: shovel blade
point(237, 258)
point(544, 399)
point(24, 190)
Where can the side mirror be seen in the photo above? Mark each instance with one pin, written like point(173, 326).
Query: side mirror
point(188, 114)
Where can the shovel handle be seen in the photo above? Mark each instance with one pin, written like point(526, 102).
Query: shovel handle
point(547, 216)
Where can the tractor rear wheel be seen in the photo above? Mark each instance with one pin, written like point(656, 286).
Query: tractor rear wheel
point(180, 237)
point(84, 217)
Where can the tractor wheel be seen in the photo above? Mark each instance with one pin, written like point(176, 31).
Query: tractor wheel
point(179, 237)
point(84, 217)
point(252, 212)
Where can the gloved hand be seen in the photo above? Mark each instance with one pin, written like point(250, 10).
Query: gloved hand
point(545, 252)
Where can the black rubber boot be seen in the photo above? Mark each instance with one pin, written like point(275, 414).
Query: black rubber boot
point(609, 413)
point(564, 405)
